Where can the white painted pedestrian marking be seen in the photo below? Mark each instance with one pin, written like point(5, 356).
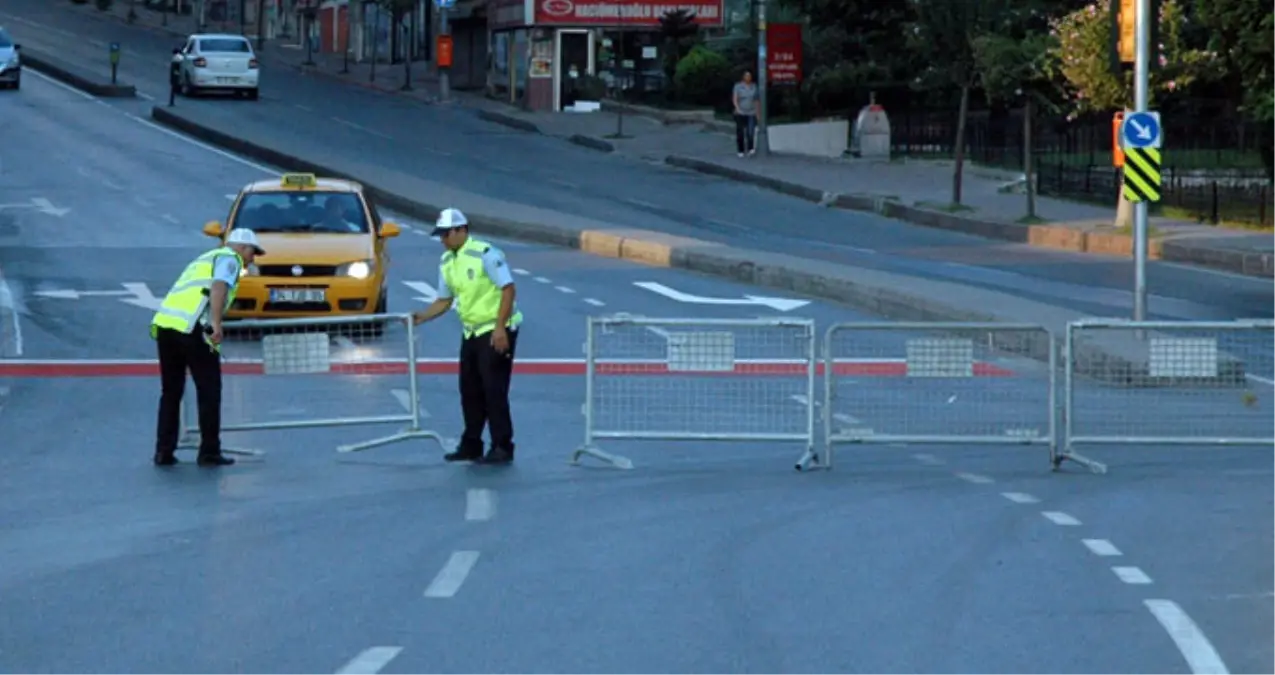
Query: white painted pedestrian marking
point(564, 289)
point(480, 504)
point(521, 272)
point(777, 304)
point(1194, 646)
point(1131, 575)
point(453, 574)
point(370, 661)
point(974, 478)
point(595, 303)
point(928, 459)
point(1060, 518)
point(1019, 497)
point(8, 306)
point(171, 218)
point(39, 204)
point(543, 280)
point(1102, 547)
point(427, 292)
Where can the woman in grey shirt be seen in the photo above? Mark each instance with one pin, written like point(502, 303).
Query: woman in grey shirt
point(747, 108)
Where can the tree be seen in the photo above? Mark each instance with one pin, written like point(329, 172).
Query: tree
point(399, 11)
point(943, 36)
point(678, 28)
point(1082, 56)
point(1241, 35)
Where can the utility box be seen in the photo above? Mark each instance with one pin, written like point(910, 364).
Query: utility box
point(872, 133)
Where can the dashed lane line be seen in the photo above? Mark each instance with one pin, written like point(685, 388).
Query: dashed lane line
point(370, 661)
point(595, 303)
point(1132, 575)
point(1020, 497)
point(928, 459)
point(1060, 518)
point(1101, 547)
point(480, 505)
point(564, 289)
point(974, 478)
point(543, 280)
point(453, 575)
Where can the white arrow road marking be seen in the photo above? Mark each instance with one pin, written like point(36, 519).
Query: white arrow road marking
point(427, 292)
point(142, 296)
point(778, 304)
point(45, 206)
point(370, 661)
point(63, 294)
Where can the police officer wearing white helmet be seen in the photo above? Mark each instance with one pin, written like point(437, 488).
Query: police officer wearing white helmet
point(473, 275)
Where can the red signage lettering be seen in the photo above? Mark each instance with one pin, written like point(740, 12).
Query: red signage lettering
point(623, 12)
point(783, 53)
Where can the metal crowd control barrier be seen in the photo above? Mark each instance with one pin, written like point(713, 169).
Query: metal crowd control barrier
point(316, 372)
point(698, 380)
point(938, 382)
point(1168, 382)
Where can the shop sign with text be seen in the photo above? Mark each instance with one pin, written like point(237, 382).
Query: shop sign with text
point(783, 53)
point(622, 12)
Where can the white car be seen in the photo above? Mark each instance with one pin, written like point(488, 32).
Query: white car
point(10, 62)
point(219, 62)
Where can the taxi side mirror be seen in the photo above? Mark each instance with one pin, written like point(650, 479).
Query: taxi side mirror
point(389, 229)
point(212, 228)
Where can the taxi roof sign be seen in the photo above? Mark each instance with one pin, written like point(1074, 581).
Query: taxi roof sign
point(300, 180)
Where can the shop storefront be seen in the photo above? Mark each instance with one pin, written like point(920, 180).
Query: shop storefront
point(539, 47)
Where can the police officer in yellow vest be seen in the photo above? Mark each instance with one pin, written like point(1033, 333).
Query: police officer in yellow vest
point(474, 275)
point(187, 333)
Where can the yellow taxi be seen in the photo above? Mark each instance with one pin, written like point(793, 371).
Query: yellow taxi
point(325, 248)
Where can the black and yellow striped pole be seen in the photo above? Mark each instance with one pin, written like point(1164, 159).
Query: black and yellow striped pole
point(1142, 175)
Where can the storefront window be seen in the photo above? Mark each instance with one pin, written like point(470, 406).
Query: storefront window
point(521, 56)
point(630, 62)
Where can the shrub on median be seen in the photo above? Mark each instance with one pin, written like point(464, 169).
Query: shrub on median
point(703, 77)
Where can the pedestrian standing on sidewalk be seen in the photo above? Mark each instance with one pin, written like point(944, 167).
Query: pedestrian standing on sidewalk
point(747, 109)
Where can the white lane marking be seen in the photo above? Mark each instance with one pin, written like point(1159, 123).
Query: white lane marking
point(1131, 575)
point(1102, 547)
point(145, 95)
point(171, 218)
point(974, 478)
point(231, 198)
point(10, 307)
point(370, 661)
point(480, 504)
point(928, 459)
point(1195, 648)
point(543, 280)
point(595, 303)
point(63, 86)
point(360, 127)
point(1266, 381)
point(521, 272)
point(642, 204)
point(564, 183)
point(1060, 518)
point(564, 289)
point(1019, 497)
point(453, 574)
point(436, 151)
point(306, 108)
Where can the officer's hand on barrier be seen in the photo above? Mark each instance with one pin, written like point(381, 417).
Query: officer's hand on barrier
point(215, 335)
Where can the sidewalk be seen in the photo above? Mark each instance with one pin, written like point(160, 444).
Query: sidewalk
point(909, 190)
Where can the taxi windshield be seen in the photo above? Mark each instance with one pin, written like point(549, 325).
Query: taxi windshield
point(297, 212)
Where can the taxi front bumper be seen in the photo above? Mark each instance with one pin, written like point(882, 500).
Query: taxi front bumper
point(283, 298)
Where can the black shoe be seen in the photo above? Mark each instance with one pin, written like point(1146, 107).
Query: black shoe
point(462, 454)
point(215, 460)
point(497, 456)
point(165, 459)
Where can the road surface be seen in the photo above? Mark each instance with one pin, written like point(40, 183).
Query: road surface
point(709, 557)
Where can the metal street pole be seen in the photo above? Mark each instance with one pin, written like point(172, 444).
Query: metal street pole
point(444, 82)
point(763, 145)
point(1141, 75)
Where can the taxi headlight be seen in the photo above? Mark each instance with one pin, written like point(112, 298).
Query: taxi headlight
point(361, 269)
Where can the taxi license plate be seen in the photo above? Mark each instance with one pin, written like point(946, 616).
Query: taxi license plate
point(296, 295)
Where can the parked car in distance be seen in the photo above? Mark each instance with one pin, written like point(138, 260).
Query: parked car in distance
point(219, 62)
point(10, 62)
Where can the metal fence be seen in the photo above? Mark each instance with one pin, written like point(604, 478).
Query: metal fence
point(698, 380)
point(935, 382)
point(1169, 383)
point(283, 374)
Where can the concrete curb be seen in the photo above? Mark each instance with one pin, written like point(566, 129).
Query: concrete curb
point(1043, 236)
point(508, 121)
point(75, 76)
point(591, 143)
point(878, 293)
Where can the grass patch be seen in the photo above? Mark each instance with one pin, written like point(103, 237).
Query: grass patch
point(1183, 214)
point(1152, 231)
point(1182, 160)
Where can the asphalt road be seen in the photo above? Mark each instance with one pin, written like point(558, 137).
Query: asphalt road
point(709, 557)
point(451, 146)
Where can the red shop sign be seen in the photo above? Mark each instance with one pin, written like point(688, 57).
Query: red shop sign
point(783, 53)
point(623, 12)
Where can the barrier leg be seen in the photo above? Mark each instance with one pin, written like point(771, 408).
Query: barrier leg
point(618, 461)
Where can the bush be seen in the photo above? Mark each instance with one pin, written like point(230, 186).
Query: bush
point(703, 77)
point(104, 4)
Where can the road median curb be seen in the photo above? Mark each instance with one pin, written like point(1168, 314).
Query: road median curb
point(591, 143)
point(508, 121)
point(75, 76)
point(872, 291)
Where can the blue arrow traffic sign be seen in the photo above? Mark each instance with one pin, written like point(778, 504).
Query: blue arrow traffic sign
point(1141, 130)
point(445, 3)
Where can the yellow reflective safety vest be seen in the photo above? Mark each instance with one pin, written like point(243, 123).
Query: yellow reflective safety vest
point(477, 296)
point(186, 301)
